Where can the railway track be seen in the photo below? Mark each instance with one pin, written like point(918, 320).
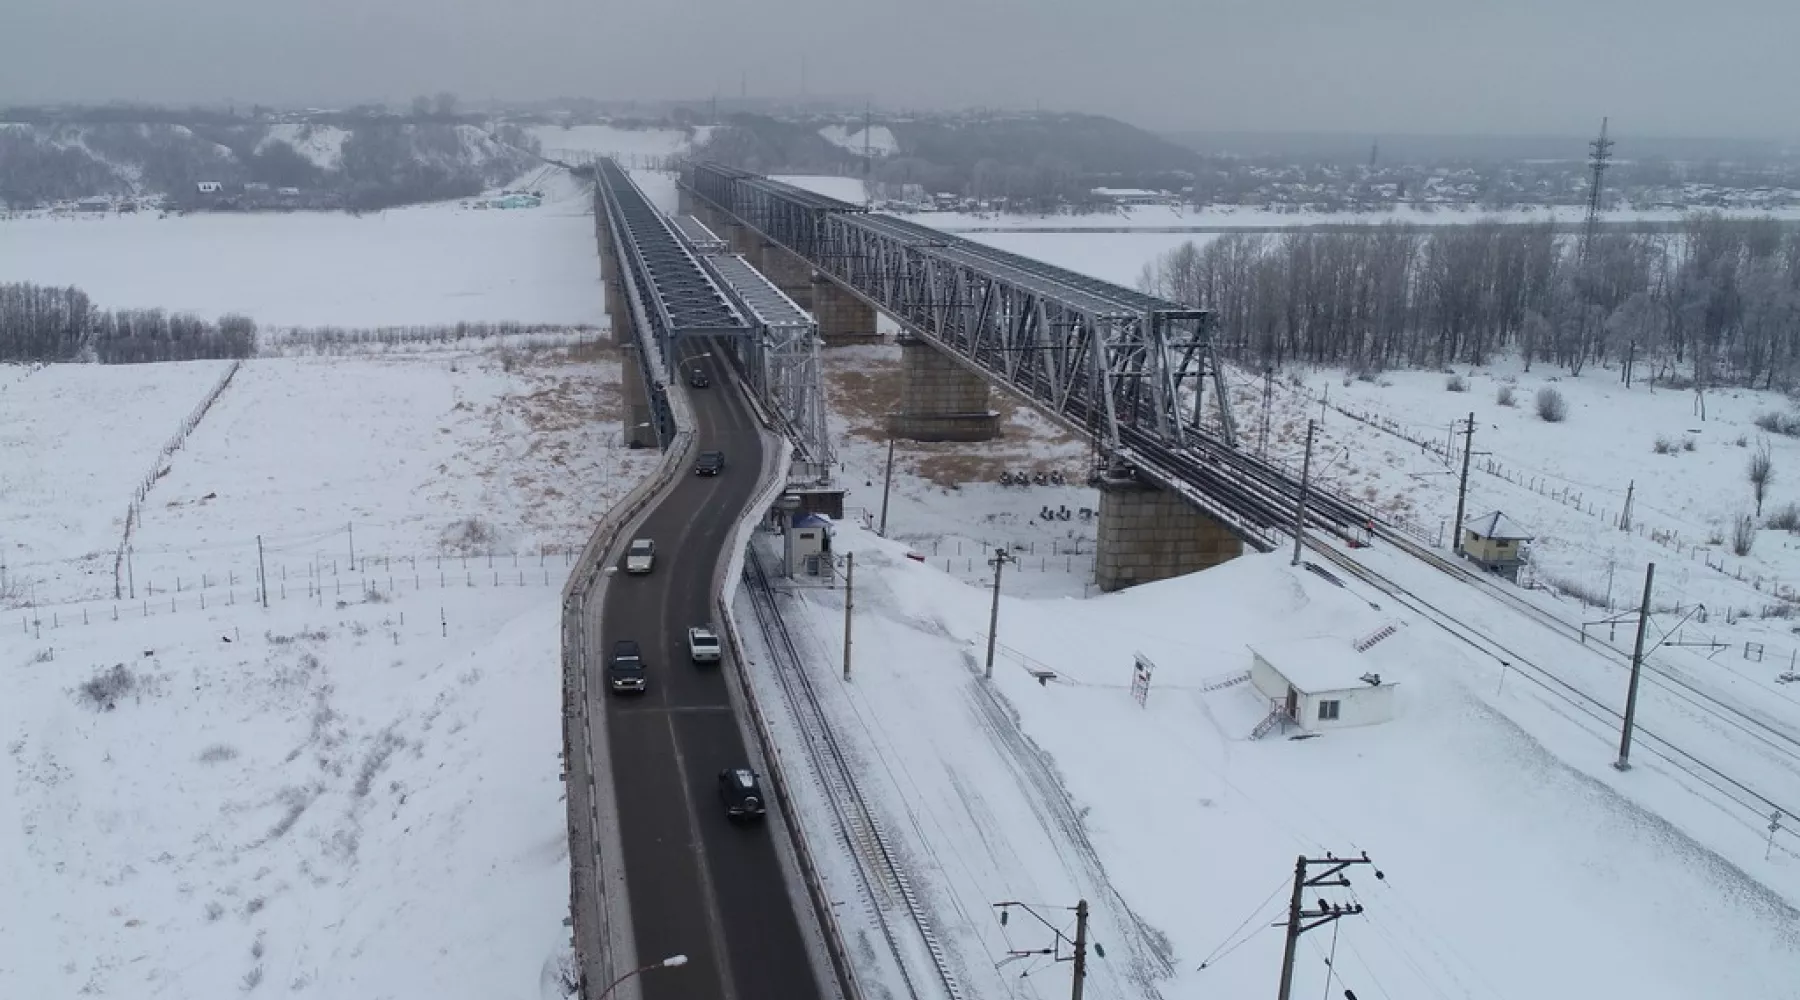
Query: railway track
point(879, 872)
point(1596, 716)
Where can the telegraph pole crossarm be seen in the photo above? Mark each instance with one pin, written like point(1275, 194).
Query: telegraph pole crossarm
point(1302, 919)
point(1078, 945)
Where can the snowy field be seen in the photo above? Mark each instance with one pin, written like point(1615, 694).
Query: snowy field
point(470, 459)
point(215, 798)
point(1384, 442)
point(424, 264)
point(308, 795)
point(1181, 831)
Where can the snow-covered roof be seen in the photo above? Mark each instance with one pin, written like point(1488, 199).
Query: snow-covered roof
point(1125, 193)
point(1316, 665)
point(1496, 525)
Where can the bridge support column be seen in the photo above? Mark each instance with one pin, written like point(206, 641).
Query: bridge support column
point(843, 318)
point(634, 416)
point(789, 273)
point(939, 399)
point(743, 241)
point(1146, 534)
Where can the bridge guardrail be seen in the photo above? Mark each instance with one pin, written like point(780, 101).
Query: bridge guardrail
point(839, 952)
point(586, 585)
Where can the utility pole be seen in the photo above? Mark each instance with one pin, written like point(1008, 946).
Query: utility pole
point(849, 605)
point(1302, 919)
point(1300, 508)
point(999, 563)
point(1637, 664)
point(1625, 512)
point(1078, 947)
point(262, 573)
point(351, 527)
point(887, 484)
point(130, 574)
point(1268, 401)
point(1462, 491)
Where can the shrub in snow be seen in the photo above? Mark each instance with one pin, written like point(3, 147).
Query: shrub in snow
point(1551, 406)
point(1785, 518)
point(105, 688)
point(1761, 472)
point(1787, 424)
point(253, 979)
point(1742, 441)
point(1743, 535)
point(1456, 383)
point(218, 753)
point(1663, 445)
point(1504, 396)
point(1689, 444)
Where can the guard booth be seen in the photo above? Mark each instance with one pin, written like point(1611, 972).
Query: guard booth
point(808, 544)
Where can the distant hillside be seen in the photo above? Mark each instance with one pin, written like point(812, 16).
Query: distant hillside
point(362, 165)
point(1021, 159)
point(1348, 148)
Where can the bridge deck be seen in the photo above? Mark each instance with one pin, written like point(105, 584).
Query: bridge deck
point(769, 305)
point(686, 297)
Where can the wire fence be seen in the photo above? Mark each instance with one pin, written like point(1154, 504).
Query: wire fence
point(373, 581)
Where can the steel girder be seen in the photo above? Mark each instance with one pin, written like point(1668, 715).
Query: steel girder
point(781, 357)
point(670, 294)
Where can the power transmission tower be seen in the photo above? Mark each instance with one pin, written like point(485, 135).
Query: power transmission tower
point(1599, 156)
point(1302, 918)
point(1078, 946)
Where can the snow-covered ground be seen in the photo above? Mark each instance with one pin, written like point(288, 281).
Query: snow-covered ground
point(1507, 872)
point(947, 499)
point(877, 141)
point(322, 145)
point(425, 264)
point(353, 792)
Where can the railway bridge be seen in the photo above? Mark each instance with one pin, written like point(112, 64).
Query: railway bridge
point(1133, 373)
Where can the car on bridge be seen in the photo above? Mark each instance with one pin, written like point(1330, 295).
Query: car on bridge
point(697, 378)
point(704, 645)
point(640, 556)
point(626, 670)
point(741, 792)
point(710, 463)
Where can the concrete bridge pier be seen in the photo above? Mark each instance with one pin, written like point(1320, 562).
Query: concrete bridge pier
point(787, 270)
point(743, 241)
point(634, 415)
point(684, 201)
point(843, 318)
point(1146, 533)
point(939, 399)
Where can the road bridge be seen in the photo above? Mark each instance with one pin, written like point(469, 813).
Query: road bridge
point(645, 816)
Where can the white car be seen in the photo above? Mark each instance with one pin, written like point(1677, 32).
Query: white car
point(640, 556)
point(703, 645)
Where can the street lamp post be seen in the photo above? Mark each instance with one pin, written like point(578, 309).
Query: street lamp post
point(668, 963)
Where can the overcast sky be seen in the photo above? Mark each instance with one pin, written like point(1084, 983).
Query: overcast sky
point(1658, 67)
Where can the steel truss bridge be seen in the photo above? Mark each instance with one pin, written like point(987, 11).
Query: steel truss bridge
point(680, 283)
point(1128, 370)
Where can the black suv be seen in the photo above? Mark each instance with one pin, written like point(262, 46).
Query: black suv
point(626, 671)
point(710, 463)
point(697, 378)
point(741, 792)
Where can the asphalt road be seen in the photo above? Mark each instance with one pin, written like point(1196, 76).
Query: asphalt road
point(699, 885)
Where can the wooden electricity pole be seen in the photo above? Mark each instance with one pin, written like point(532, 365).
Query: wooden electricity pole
point(1637, 665)
point(1462, 491)
point(999, 563)
point(262, 573)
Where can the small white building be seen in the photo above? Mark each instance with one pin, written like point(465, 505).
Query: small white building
point(1321, 683)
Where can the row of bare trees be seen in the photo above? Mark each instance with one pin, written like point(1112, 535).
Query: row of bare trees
point(61, 324)
point(1717, 299)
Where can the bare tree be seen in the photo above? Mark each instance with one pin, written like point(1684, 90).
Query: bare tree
point(1761, 472)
